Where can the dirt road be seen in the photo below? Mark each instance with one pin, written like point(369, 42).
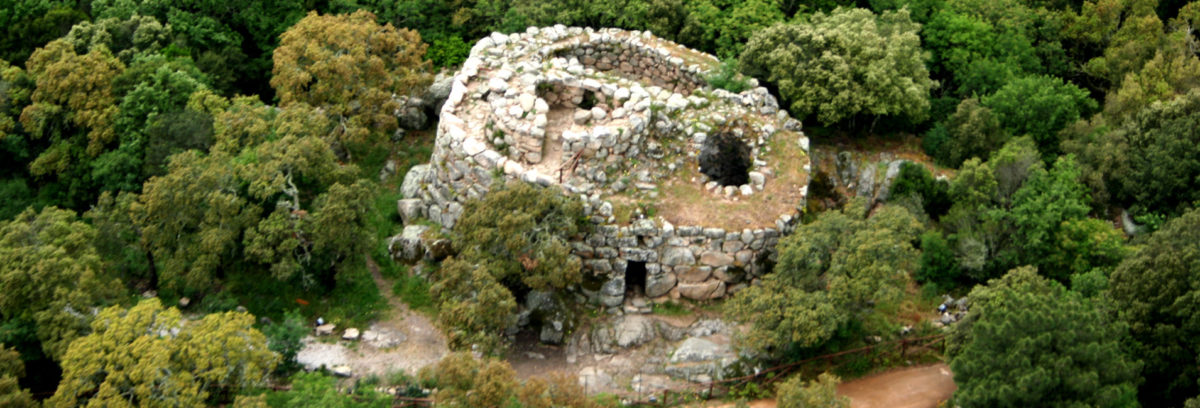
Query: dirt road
point(914, 387)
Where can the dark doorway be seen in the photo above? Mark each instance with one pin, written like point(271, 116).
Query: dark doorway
point(725, 159)
point(635, 278)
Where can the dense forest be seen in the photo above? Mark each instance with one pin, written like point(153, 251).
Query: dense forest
point(219, 163)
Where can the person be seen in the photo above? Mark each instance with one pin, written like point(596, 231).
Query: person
point(320, 321)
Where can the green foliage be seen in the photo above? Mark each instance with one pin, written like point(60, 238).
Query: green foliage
point(350, 67)
point(284, 338)
point(447, 51)
point(1028, 341)
point(414, 291)
point(317, 389)
point(12, 369)
point(1154, 291)
point(146, 355)
point(822, 392)
point(1010, 211)
point(938, 263)
point(833, 65)
point(270, 197)
point(979, 46)
point(1039, 106)
point(832, 271)
point(915, 179)
point(53, 275)
point(513, 240)
point(464, 382)
point(728, 78)
point(972, 131)
point(29, 24)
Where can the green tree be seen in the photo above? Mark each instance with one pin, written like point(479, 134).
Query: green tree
point(1155, 291)
point(148, 356)
point(286, 339)
point(465, 382)
point(351, 68)
point(821, 392)
point(972, 131)
point(916, 180)
point(938, 263)
point(269, 197)
point(835, 269)
point(1045, 202)
point(1028, 341)
point(979, 46)
point(12, 369)
point(845, 63)
point(512, 240)
point(1039, 106)
point(1163, 153)
point(28, 24)
point(52, 275)
point(127, 39)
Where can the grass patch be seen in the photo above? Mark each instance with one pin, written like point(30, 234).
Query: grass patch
point(414, 291)
point(670, 308)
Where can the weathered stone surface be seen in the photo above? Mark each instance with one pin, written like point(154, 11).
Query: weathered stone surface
point(612, 293)
point(503, 120)
point(694, 350)
point(416, 177)
point(660, 284)
point(342, 371)
point(326, 329)
point(676, 256)
point(714, 258)
point(350, 334)
point(693, 274)
point(409, 246)
point(706, 290)
point(410, 209)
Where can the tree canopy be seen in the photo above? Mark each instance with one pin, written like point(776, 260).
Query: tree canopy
point(1028, 341)
point(148, 355)
point(51, 275)
point(1155, 291)
point(512, 240)
point(352, 69)
point(833, 270)
point(844, 63)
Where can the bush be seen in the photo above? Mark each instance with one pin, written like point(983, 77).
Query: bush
point(284, 337)
point(728, 78)
point(448, 51)
point(938, 263)
point(916, 179)
point(822, 392)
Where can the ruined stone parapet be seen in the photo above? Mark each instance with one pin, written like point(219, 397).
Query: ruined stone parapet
point(609, 113)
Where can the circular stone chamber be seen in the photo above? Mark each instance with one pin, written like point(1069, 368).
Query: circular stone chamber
point(689, 187)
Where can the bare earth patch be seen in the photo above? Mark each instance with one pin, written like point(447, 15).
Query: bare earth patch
point(913, 387)
point(422, 343)
point(684, 201)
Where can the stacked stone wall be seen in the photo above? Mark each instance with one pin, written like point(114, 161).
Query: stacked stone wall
point(649, 105)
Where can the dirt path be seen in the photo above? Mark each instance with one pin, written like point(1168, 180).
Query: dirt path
point(914, 387)
point(425, 344)
point(401, 340)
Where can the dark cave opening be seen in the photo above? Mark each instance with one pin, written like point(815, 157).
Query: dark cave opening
point(635, 277)
point(724, 158)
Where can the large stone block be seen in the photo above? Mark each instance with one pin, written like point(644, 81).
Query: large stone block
point(707, 290)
